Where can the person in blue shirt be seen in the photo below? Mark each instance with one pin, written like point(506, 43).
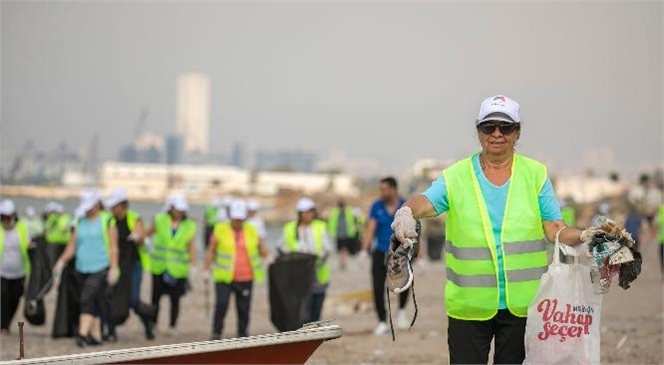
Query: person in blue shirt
point(377, 240)
point(94, 249)
point(501, 206)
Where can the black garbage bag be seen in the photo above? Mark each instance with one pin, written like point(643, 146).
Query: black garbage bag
point(119, 296)
point(291, 278)
point(67, 309)
point(39, 283)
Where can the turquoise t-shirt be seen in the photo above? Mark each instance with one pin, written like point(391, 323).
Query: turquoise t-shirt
point(495, 198)
point(91, 252)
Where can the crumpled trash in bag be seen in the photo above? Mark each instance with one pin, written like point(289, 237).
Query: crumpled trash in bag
point(607, 248)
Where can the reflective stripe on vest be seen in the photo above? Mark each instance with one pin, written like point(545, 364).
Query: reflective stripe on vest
point(349, 217)
point(472, 292)
point(318, 228)
point(224, 261)
point(171, 252)
point(24, 243)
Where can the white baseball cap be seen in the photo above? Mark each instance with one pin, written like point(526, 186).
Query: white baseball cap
point(305, 205)
point(226, 201)
point(179, 202)
point(499, 107)
point(7, 207)
point(238, 209)
point(116, 197)
point(30, 211)
point(50, 207)
point(89, 199)
point(253, 205)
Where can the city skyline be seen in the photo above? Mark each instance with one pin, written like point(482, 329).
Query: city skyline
point(354, 78)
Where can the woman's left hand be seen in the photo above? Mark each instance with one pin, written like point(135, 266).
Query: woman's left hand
point(113, 276)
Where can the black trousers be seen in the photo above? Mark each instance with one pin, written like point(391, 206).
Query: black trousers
point(469, 341)
point(242, 291)
point(207, 232)
point(93, 288)
point(661, 257)
point(11, 291)
point(379, 274)
point(175, 292)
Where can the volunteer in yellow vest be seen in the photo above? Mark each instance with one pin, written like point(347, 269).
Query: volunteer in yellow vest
point(133, 259)
point(342, 226)
point(234, 253)
point(308, 234)
point(660, 237)
point(34, 223)
point(173, 254)
point(500, 207)
point(14, 262)
point(94, 246)
point(57, 230)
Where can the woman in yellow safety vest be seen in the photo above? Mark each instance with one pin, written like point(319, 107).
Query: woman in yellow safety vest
point(308, 234)
point(500, 207)
point(173, 254)
point(234, 253)
point(94, 245)
point(14, 262)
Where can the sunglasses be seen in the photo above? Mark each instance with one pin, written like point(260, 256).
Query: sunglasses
point(504, 128)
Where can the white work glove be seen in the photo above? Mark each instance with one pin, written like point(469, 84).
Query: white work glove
point(588, 234)
point(113, 276)
point(132, 237)
point(363, 255)
point(404, 226)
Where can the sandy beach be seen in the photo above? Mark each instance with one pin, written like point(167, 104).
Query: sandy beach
point(631, 321)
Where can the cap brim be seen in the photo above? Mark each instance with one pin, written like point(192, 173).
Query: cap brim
point(497, 119)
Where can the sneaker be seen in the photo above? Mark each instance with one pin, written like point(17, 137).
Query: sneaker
point(399, 270)
point(215, 337)
point(402, 322)
point(149, 330)
point(91, 341)
point(109, 338)
point(80, 341)
point(382, 329)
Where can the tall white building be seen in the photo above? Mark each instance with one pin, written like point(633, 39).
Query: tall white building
point(193, 112)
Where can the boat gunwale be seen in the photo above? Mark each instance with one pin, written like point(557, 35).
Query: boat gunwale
point(322, 333)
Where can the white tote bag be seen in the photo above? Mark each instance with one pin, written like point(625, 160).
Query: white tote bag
point(563, 325)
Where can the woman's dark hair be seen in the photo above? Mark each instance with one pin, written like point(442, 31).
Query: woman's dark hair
point(389, 181)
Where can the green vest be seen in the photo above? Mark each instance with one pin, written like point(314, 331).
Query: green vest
point(24, 241)
point(171, 252)
point(224, 262)
point(58, 229)
point(318, 227)
point(349, 217)
point(569, 216)
point(132, 218)
point(211, 215)
point(660, 223)
point(471, 290)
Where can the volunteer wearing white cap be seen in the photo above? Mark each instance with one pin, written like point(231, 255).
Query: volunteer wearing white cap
point(308, 234)
point(133, 259)
point(500, 208)
point(234, 254)
point(94, 244)
point(173, 254)
point(57, 231)
point(255, 219)
point(14, 262)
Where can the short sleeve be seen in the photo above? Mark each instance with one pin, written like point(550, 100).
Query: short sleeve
point(437, 195)
point(548, 203)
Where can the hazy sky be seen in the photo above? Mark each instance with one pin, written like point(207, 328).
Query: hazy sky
point(387, 81)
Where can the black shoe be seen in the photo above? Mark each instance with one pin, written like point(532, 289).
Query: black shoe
point(91, 341)
point(215, 337)
point(80, 341)
point(149, 330)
